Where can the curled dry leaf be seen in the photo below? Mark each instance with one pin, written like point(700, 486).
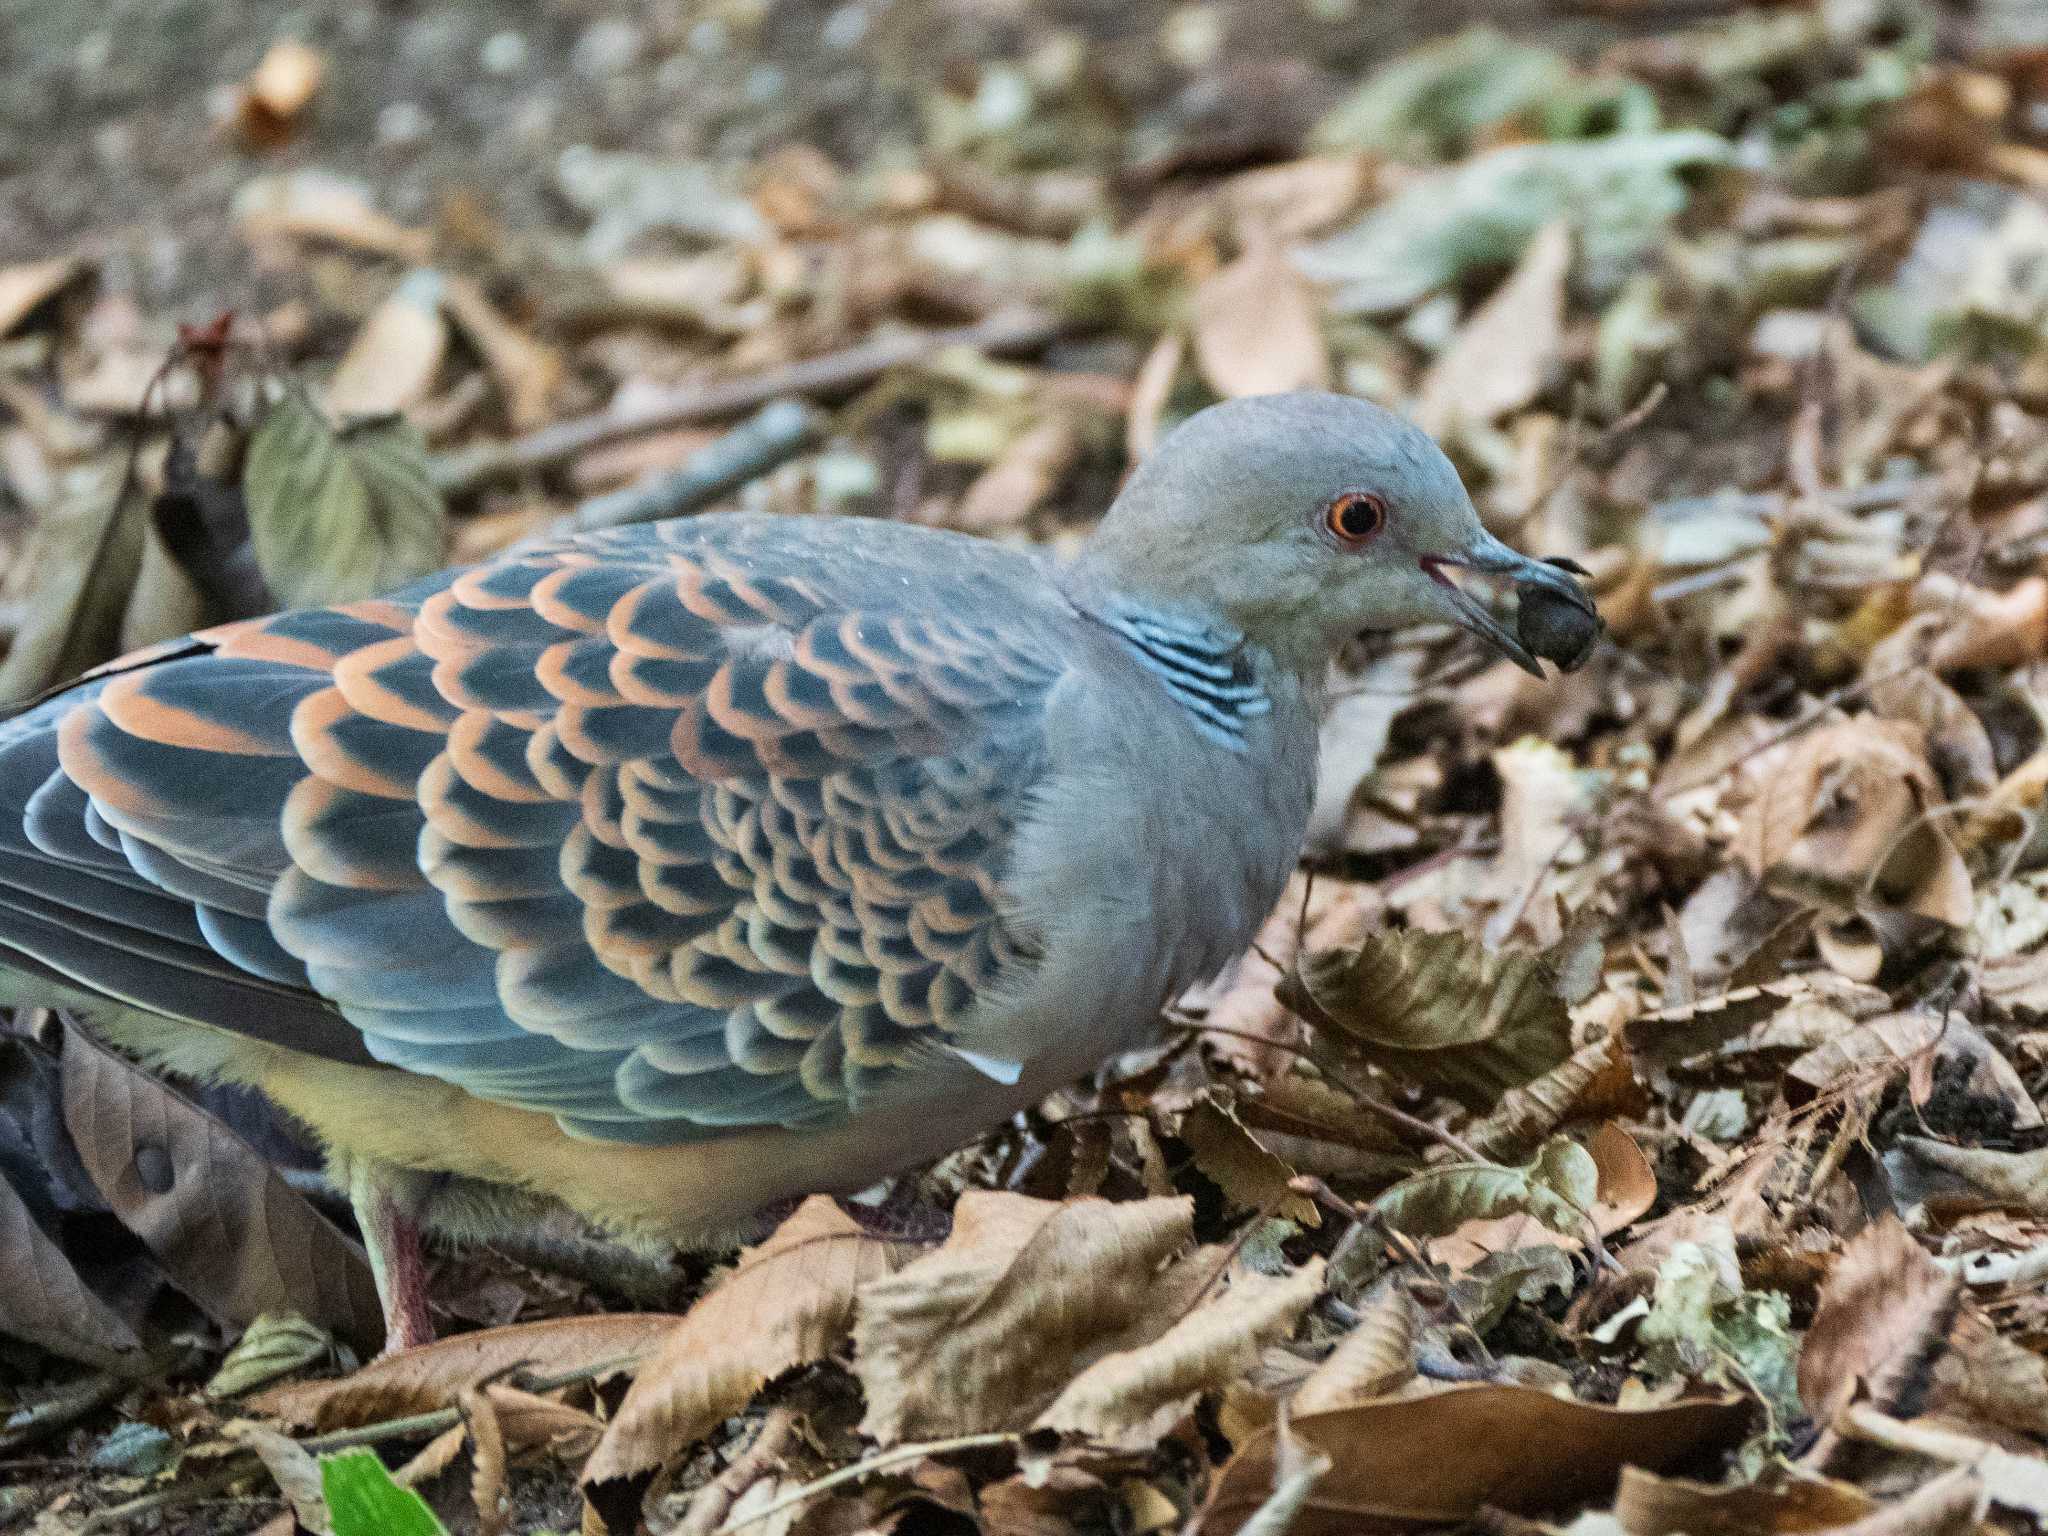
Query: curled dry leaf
point(487, 1456)
point(787, 1302)
point(321, 206)
point(1846, 819)
point(985, 1331)
point(292, 1467)
point(1256, 328)
point(1373, 1359)
point(1595, 1079)
point(1506, 354)
point(1439, 1457)
point(1970, 1178)
point(1238, 1162)
point(1883, 1319)
point(1558, 1187)
point(429, 1377)
point(274, 1345)
point(45, 1301)
point(1867, 1052)
point(1437, 1009)
point(396, 356)
point(1133, 1397)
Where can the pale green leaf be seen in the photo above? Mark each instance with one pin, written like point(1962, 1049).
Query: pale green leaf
point(336, 516)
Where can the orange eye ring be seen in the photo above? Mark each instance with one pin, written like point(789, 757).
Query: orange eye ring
point(1354, 518)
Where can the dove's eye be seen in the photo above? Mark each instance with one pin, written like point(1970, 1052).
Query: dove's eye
point(1354, 518)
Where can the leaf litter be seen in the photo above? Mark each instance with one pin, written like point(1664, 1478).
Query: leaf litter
point(1632, 1118)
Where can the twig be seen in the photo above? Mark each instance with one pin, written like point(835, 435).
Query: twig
point(770, 437)
point(714, 1501)
point(836, 373)
point(876, 1463)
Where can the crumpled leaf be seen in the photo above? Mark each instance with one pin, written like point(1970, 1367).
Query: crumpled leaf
point(1649, 1505)
point(337, 516)
point(1438, 1009)
point(1132, 1397)
point(984, 1331)
point(1970, 1178)
point(429, 1377)
point(1504, 356)
point(1439, 1457)
point(1874, 1048)
point(274, 1345)
point(1373, 1359)
point(787, 1302)
point(1237, 1160)
point(1616, 193)
point(1559, 1187)
point(1843, 820)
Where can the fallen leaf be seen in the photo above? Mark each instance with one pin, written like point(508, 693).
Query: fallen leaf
point(86, 556)
point(787, 1302)
point(44, 1301)
point(528, 372)
point(1256, 329)
point(1023, 477)
point(220, 1220)
point(318, 205)
point(1132, 1397)
point(1649, 1505)
point(1559, 1187)
point(1441, 1456)
point(1437, 1009)
point(28, 286)
point(393, 362)
point(985, 1331)
point(335, 516)
point(278, 91)
point(1251, 1176)
point(423, 1379)
point(1375, 1358)
point(1971, 1178)
point(1508, 352)
point(1882, 1321)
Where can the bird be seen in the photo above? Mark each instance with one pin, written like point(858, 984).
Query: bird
point(675, 870)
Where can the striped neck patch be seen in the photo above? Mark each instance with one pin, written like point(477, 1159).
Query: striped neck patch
point(1203, 666)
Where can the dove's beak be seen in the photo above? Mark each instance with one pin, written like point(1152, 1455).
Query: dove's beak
point(1493, 558)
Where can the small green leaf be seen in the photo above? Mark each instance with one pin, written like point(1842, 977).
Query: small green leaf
point(335, 516)
point(1558, 1189)
point(363, 1500)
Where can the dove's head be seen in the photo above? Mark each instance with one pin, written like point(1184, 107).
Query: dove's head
point(1305, 518)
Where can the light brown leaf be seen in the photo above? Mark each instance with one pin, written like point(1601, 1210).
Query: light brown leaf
point(1437, 1009)
point(1868, 1053)
point(278, 91)
point(292, 1467)
point(1977, 1177)
point(226, 1228)
point(1370, 1361)
point(1649, 1505)
point(423, 1379)
point(44, 1300)
point(1023, 476)
point(27, 286)
point(1255, 326)
point(1504, 356)
point(1558, 1187)
point(1441, 1456)
point(393, 361)
point(1883, 1319)
point(787, 1302)
point(1132, 1397)
point(320, 206)
point(528, 371)
point(1596, 1078)
point(1237, 1161)
point(984, 1332)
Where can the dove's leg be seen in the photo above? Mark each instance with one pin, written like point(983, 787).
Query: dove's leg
point(398, 1257)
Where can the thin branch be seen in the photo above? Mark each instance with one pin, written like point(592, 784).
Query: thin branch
point(834, 374)
point(881, 1461)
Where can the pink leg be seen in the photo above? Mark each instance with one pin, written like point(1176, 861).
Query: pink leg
point(398, 1260)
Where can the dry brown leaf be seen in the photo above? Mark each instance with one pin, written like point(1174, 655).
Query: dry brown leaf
point(1372, 1360)
point(423, 1379)
point(27, 286)
point(1981, 628)
point(1977, 1177)
point(983, 1332)
point(1596, 1079)
point(1251, 1175)
point(1256, 326)
point(1649, 1505)
point(1993, 1379)
point(1883, 1320)
point(1440, 1457)
point(1133, 1397)
point(44, 1300)
point(1844, 820)
point(278, 91)
point(1505, 355)
point(292, 1467)
point(396, 356)
point(487, 1456)
point(316, 205)
point(226, 1228)
point(1318, 1129)
point(528, 371)
point(1300, 197)
point(1437, 1009)
point(1673, 1034)
point(1024, 475)
point(1868, 1053)
point(787, 1302)
point(1149, 394)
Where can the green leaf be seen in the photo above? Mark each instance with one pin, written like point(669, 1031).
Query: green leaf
point(335, 516)
point(363, 1500)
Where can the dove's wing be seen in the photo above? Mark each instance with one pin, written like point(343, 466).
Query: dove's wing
point(664, 831)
